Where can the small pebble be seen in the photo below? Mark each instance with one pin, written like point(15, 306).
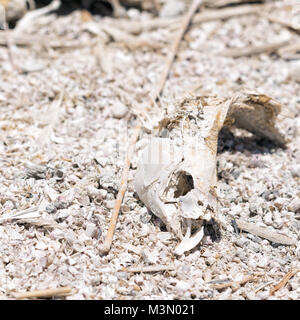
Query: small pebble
point(145, 216)
point(51, 208)
point(268, 219)
point(119, 110)
point(91, 230)
point(294, 206)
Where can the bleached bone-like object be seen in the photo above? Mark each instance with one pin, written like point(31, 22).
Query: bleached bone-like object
point(176, 174)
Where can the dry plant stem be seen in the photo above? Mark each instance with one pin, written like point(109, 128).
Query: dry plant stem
point(171, 56)
point(283, 281)
point(290, 51)
point(112, 226)
point(265, 233)
point(222, 3)
point(206, 16)
point(233, 283)
point(253, 50)
point(263, 286)
point(43, 293)
point(284, 23)
point(148, 269)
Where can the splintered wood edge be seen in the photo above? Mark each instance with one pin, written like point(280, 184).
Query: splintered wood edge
point(265, 233)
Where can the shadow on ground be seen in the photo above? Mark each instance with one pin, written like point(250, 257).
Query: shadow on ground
point(229, 142)
point(102, 8)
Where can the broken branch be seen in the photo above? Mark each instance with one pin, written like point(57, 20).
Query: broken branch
point(253, 50)
point(283, 281)
point(265, 233)
point(43, 293)
point(233, 284)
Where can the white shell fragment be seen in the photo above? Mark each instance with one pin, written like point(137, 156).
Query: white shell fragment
point(176, 174)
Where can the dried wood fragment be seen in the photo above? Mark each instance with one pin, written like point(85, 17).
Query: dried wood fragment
point(205, 16)
point(266, 233)
point(111, 230)
point(223, 3)
point(253, 50)
point(28, 40)
point(283, 281)
point(233, 284)
point(263, 286)
point(149, 269)
point(29, 213)
point(171, 56)
point(130, 41)
point(56, 292)
point(291, 51)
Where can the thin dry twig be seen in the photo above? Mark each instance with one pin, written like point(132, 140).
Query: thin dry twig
point(55, 292)
point(284, 23)
point(283, 281)
point(263, 286)
point(253, 50)
point(233, 284)
point(265, 233)
point(206, 16)
point(111, 230)
point(149, 269)
point(291, 51)
point(171, 56)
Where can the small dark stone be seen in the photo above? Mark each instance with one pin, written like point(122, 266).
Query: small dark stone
point(51, 208)
point(212, 229)
point(59, 175)
point(236, 174)
point(145, 217)
point(60, 205)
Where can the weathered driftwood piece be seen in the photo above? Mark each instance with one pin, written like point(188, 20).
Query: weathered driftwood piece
point(27, 40)
point(129, 40)
point(286, 15)
point(253, 50)
point(233, 284)
point(43, 293)
point(291, 51)
point(29, 213)
point(137, 27)
point(266, 233)
point(149, 269)
point(223, 3)
point(176, 174)
point(111, 230)
point(112, 226)
point(284, 281)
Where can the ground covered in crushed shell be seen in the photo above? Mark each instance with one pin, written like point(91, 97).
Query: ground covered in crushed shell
point(64, 134)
